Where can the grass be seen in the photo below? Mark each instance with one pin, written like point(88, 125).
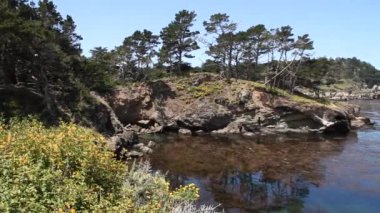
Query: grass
point(205, 89)
point(286, 94)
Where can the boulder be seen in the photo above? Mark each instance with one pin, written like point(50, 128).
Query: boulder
point(338, 127)
point(146, 150)
point(245, 96)
point(151, 144)
point(121, 142)
point(205, 118)
point(128, 139)
point(134, 154)
point(138, 146)
point(144, 123)
point(359, 122)
point(184, 131)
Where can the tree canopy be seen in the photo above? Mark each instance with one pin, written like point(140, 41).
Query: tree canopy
point(40, 52)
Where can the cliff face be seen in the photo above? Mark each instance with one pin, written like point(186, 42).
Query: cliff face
point(206, 103)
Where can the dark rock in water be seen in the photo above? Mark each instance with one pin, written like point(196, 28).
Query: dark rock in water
point(128, 139)
point(123, 141)
point(342, 127)
point(359, 122)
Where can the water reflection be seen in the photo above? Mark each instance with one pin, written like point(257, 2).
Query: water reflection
point(249, 174)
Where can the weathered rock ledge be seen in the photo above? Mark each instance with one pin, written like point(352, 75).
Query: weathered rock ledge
point(205, 103)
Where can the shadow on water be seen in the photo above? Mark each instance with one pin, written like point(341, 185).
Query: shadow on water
point(262, 173)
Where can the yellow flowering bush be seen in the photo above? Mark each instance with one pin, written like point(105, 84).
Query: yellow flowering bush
point(68, 169)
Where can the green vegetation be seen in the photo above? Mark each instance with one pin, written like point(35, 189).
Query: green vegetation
point(40, 53)
point(287, 94)
point(205, 89)
point(68, 168)
point(339, 74)
point(43, 72)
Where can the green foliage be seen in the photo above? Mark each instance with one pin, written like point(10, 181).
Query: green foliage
point(39, 50)
point(211, 66)
point(286, 94)
point(99, 72)
point(157, 74)
point(135, 56)
point(68, 168)
point(339, 73)
point(178, 41)
point(204, 89)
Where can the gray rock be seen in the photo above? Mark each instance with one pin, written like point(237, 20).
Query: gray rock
point(157, 129)
point(184, 131)
point(245, 96)
point(151, 144)
point(121, 142)
point(146, 150)
point(199, 132)
point(205, 117)
point(128, 139)
point(113, 142)
point(134, 154)
point(138, 146)
point(134, 128)
point(359, 122)
point(144, 123)
point(249, 134)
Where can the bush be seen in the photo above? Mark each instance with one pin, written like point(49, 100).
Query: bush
point(68, 169)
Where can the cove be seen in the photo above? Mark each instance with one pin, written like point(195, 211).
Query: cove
point(279, 173)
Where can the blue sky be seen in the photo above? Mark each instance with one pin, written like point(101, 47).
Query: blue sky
point(339, 28)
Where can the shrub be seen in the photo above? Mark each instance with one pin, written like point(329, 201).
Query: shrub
point(205, 89)
point(68, 168)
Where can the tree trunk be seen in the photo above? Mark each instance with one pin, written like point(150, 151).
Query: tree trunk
point(48, 100)
point(179, 62)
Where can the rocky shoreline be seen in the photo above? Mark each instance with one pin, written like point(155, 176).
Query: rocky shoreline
point(359, 94)
point(204, 103)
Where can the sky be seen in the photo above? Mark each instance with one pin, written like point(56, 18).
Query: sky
point(339, 28)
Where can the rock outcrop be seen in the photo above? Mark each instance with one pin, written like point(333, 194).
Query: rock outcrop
point(124, 142)
point(206, 103)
